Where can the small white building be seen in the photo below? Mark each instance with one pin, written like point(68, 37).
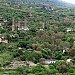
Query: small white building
point(64, 49)
point(26, 29)
point(49, 61)
point(20, 48)
point(69, 29)
point(41, 29)
point(74, 43)
point(68, 60)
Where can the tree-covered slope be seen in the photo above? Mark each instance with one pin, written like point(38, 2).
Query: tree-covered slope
point(51, 37)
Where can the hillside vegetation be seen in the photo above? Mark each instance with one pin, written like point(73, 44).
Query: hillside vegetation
point(51, 36)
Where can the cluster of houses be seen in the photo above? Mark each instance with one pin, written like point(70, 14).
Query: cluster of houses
point(53, 61)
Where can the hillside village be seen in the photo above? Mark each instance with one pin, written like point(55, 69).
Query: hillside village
point(37, 39)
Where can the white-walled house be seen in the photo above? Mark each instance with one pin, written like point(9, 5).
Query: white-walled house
point(69, 29)
point(65, 49)
point(68, 60)
point(49, 61)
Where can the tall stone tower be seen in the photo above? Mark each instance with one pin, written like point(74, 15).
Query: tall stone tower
point(42, 27)
point(13, 26)
point(25, 25)
point(18, 25)
point(30, 12)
